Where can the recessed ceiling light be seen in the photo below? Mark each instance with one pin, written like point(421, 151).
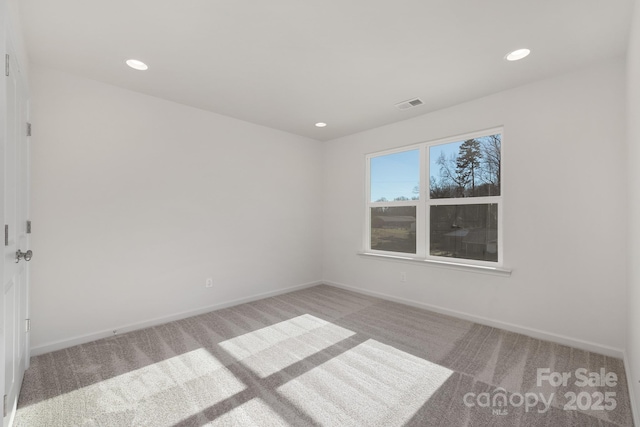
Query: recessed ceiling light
point(137, 65)
point(320, 125)
point(517, 54)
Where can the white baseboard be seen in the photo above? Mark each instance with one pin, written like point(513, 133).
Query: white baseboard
point(82, 339)
point(535, 333)
point(635, 410)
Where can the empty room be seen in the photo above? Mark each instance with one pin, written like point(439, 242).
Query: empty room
point(305, 213)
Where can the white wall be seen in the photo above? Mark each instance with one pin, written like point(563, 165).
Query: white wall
point(564, 207)
point(633, 128)
point(137, 200)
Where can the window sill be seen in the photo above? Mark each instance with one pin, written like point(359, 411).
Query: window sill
point(496, 271)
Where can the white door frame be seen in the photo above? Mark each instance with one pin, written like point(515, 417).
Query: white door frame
point(3, 109)
point(15, 176)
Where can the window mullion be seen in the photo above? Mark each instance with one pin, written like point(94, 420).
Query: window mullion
point(422, 222)
point(466, 200)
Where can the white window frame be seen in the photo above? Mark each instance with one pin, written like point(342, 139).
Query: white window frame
point(424, 203)
point(417, 203)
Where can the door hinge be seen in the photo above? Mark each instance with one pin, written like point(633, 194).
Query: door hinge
point(28, 227)
point(6, 65)
point(4, 406)
point(6, 234)
point(28, 325)
point(28, 129)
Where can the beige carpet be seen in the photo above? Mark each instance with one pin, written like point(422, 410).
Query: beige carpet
point(320, 357)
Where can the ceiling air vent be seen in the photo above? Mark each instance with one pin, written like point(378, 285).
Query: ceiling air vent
point(405, 105)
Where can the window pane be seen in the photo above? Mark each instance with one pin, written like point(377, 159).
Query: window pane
point(395, 176)
point(394, 229)
point(465, 231)
point(468, 168)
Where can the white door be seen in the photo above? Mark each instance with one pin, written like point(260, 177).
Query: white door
point(16, 210)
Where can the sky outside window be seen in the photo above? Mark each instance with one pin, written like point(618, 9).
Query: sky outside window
point(395, 176)
point(435, 151)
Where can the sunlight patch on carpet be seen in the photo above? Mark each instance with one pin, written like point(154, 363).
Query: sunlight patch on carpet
point(252, 413)
point(371, 384)
point(167, 391)
point(269, 350)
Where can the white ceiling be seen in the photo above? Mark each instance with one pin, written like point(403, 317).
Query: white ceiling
point(288, 64)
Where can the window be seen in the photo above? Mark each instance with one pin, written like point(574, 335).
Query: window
point(394, 197)
point(438, 200)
